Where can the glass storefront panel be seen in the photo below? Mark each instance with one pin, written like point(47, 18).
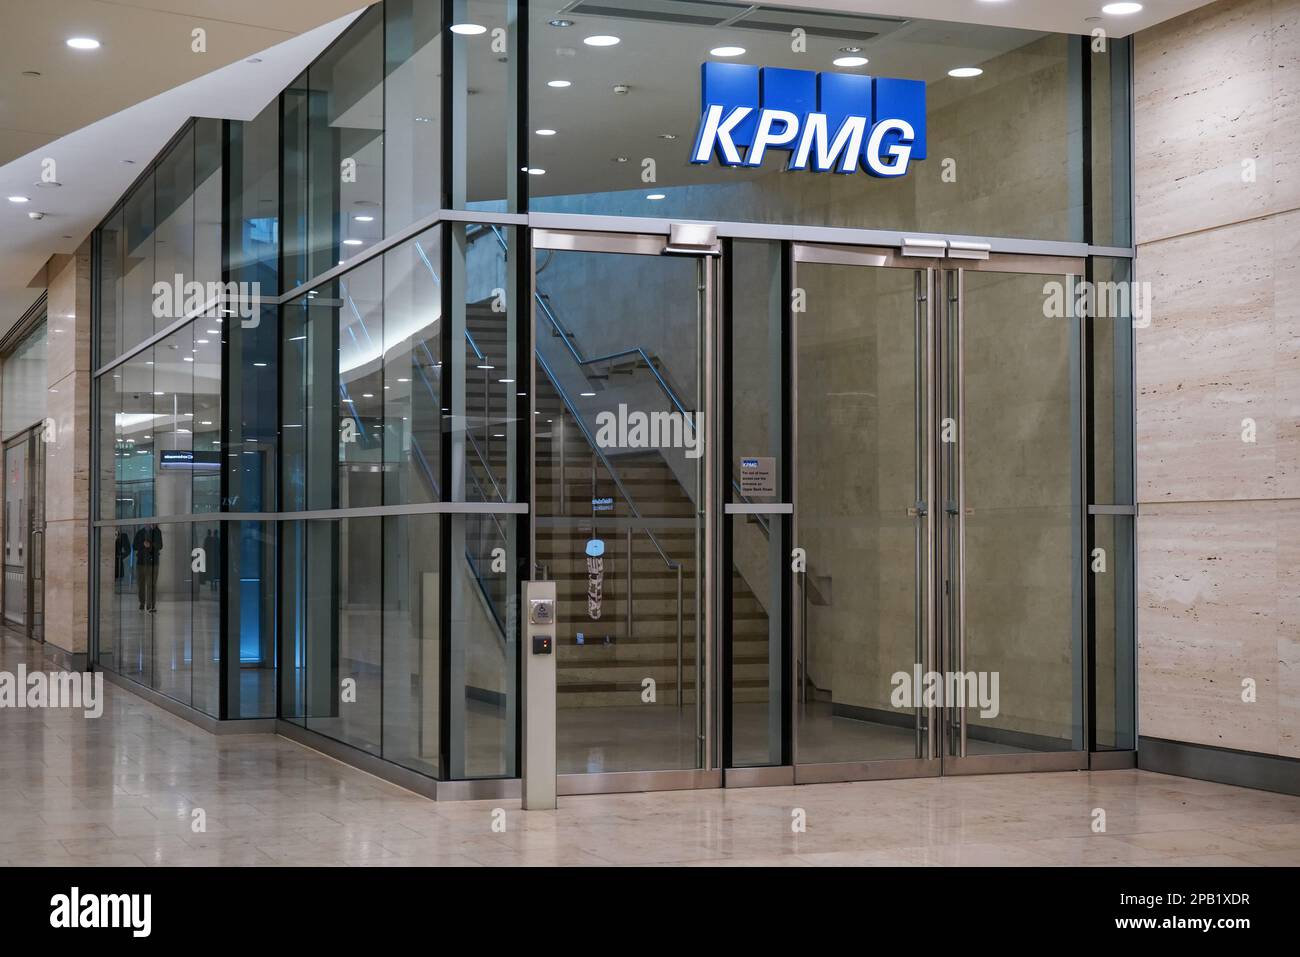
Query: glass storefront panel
point(485, 171)
point(413, 120)
point(250, 595)
point(614, 126)
point(345, 145)
point(412, 371)
point(168, 226)
point(173, 243)
point(483, 647)
point(22, 389)
point(1116, 635)
point(757, 584)
point(412, 644)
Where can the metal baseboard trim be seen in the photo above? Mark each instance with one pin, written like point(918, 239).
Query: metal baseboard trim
point(624, 782)
point(481, 789)
point(771, 777)
point(1025, 763)
point(192, 715)
point(1112, 760)
point(356, 758)
point(1247, 769)
point(866, 771)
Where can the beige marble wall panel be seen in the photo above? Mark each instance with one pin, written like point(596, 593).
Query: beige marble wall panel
point(1215, 89)
point(1209, 361)
point(67, 352)
point(66, 556)
point(1218, 606)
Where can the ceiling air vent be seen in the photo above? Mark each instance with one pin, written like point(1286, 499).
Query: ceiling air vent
point(767, 19)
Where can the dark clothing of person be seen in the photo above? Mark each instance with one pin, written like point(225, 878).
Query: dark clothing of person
point(121, 552)
point(148, 546)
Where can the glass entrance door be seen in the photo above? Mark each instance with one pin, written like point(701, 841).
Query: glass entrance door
point(623, 505)
point(1010, 551)
point(937, 453)
point(863, 529)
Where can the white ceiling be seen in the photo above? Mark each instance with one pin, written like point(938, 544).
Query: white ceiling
point(97, 163)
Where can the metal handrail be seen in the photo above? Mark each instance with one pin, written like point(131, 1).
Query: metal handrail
point(581, 361)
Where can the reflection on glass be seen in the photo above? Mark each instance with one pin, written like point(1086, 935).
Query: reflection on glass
point(412, 371)
point(345, 110)
point(411, 652)
point(412, 111)
point(484, 173)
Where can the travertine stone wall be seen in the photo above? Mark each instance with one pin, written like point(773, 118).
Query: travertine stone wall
point(1218, 227)
point(67, 455)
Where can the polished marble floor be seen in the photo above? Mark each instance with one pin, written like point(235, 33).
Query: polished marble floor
point(123, 790)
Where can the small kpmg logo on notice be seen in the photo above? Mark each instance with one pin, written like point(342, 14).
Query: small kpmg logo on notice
point(829, 121)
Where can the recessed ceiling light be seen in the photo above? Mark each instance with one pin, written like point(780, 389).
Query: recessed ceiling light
point(364, 219)
point(83, 43)
point(468, 29)
point(352, 242)
point(546, 132)
point(668, 136)
point(558, 84)
point(850, 61)
point(259, 365)
point(850, 49)
point(18, 199)
point(587, 395)
point(655, 196)
point(965, 71)
point(560, 22)
point(601, 40)
point(48, 184)
point(536, 171)
point(727, 51)
point(1121, 9)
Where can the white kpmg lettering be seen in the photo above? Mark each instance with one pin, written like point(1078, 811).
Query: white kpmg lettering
point(809, 141)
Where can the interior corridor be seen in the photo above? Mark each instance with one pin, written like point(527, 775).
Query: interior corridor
point(122, 790)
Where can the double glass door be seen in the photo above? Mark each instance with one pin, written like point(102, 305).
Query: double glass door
point(936, 511)
point(867, 564)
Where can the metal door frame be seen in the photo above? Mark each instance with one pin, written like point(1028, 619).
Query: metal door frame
point(708, 774)
point(34, 475)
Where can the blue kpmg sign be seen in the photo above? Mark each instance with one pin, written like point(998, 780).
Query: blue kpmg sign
point(825, 121)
